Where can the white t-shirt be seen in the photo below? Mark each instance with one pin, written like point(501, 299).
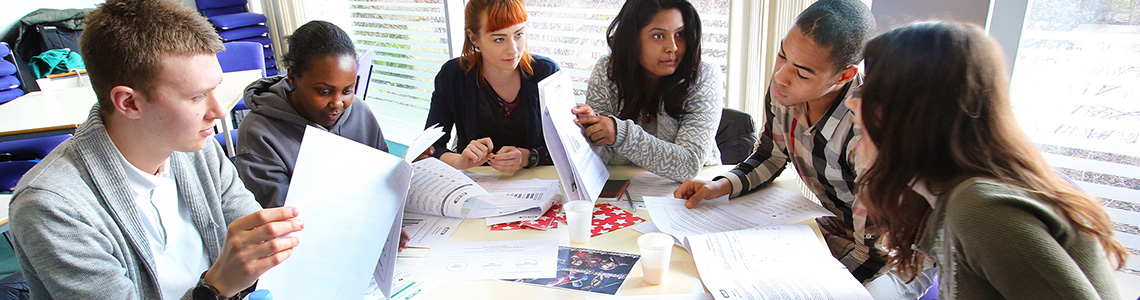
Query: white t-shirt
point(175, 243)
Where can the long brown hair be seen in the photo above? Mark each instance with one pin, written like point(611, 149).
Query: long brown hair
point(936, 105)
point(500, 14)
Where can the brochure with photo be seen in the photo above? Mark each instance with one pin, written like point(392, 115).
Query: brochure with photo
point(589, 270)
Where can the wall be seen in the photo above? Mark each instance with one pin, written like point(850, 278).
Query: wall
point(890, 13)
point(16, 9)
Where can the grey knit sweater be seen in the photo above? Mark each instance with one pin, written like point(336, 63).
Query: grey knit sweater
point(78, 233)
point(680, 147)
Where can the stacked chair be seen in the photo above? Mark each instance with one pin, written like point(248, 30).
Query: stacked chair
point(9, 82)
point(239, 56)
point(18, 156)
point(235, 23)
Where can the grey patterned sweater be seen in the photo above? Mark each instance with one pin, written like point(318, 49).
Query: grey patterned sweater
point(680, 147)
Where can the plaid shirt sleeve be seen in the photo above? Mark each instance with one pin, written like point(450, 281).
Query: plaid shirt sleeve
point(767, 161)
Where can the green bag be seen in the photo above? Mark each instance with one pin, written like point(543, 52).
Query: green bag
point(55, 61)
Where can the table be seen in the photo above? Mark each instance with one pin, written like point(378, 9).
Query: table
point(683, 278)
point(61, 111)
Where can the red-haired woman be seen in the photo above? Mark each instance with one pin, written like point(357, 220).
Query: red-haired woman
point(490, 93)
point(954, 179)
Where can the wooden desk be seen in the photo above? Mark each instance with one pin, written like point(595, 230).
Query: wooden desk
point(62, 111)
point(683, 277)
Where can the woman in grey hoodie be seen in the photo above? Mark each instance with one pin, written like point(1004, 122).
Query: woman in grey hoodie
point(317, 90)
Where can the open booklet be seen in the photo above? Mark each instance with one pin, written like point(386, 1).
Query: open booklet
point(581, 171)
point(774, 262)
point(439, 189)
point(769, 206)
point(745, 249)
point(351, 198)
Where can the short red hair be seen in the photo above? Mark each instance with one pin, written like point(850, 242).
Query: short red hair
point(500, 14)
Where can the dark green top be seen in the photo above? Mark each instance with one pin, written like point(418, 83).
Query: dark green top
point(992, 240)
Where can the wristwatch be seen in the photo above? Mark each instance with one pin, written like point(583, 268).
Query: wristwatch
point(205, 291)
point(533, 159)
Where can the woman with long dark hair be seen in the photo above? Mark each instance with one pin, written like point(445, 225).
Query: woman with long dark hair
point(652, 102)
point(953, 178)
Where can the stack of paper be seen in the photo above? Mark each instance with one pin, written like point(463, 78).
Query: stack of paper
point(581, 171)
point(775, 262)
point(770, 206)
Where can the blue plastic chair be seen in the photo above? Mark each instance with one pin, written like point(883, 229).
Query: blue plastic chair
point(11, 171)
point(30, 149)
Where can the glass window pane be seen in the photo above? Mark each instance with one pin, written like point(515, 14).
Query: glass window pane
point(1076, 90)
point(409, 39)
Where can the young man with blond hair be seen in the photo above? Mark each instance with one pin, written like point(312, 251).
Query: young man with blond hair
point(141, 203)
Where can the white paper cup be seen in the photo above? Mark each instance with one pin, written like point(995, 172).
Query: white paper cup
point(656, 250)
point(580, 218)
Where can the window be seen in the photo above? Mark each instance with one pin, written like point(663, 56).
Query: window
point(411, 40)
point(573, 34)
point(410, 43)
point(1076, 93)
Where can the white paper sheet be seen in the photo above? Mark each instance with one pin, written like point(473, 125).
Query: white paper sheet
point(699, 296)
point(481, 177)
point(515, 200)
point(427, 230)
point(439, 189)
point(775, 262)
point(406, 285)
point(770, 206)
point(352, 204)
point(422, 142)
point(646, 183)
point(491, 260)
point(580, 170)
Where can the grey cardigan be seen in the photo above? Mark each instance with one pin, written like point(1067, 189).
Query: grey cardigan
point(681, 146)
point(76, 229)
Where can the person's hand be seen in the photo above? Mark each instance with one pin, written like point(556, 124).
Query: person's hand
point(582, 110)
point(404, 238)
point(427, 153)
point(509, 159)
point(695, 190)
point(476, 153)
point(598, 129)
point(253, 245)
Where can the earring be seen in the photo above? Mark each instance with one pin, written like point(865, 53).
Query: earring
point(477, 49)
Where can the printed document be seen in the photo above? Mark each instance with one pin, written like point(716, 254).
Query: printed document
point(769, 206)
point(582, 172)
point(439, 189)
point(491, 260)
point(646, 184)
point(427, 230)
point(422, 142)
point(774, 262)
point(352, 223)
point(515, 200)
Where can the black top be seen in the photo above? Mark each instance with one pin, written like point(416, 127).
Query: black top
point(459, 101)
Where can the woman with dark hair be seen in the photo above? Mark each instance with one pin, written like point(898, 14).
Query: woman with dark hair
point(490, 93)
point(652, 102)
point(317, 90)
point(952, 178)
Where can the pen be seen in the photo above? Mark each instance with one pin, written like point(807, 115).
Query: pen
point(630, 200)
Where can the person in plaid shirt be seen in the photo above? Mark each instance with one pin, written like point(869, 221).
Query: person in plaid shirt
point(807, 124)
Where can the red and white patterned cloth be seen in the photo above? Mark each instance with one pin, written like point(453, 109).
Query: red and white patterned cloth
point(546, 221)
point(607, 218)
